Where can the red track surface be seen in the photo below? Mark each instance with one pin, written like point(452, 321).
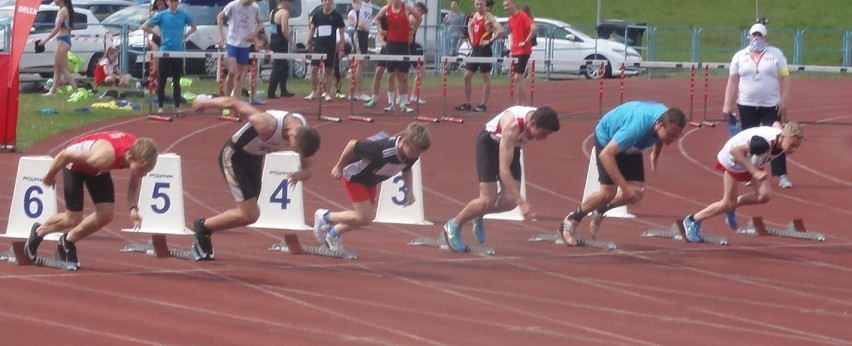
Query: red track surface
point(649, 291)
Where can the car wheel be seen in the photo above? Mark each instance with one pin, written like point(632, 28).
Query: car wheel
point(594, 71)
point(93, 64)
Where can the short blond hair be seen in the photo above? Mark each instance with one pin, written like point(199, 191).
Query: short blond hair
point(793, 129)
point(144, 150)
point(417, 134)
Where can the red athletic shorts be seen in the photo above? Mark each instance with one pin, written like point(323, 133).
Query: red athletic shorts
point(742, 177)
point(359, 192)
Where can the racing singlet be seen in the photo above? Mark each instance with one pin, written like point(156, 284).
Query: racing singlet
point(120, 141)
point(398, 26)
point(248, 140)
point(481, 31)
point(520, 112)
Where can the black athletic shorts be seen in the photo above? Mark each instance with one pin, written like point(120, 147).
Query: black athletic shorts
point(330, 53)
point(521, 65)
point(243, 172)
point(382, 63)
point(630, 166)
point(488, 159)
point(397, 48)
point(361, 41)
point(100, 187)
point(480, 52)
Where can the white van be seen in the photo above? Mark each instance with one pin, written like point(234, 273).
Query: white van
point(300, 12)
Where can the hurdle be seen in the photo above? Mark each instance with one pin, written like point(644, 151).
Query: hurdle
point(354, 58)
point(291, 244)
point(676, 232)
point(556, 239)
point(795, 229)
point(162, 210)
point(441, 244)
point(17, 255)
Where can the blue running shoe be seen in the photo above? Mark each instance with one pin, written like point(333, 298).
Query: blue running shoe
point(452, 234)
point(731, 219)
point(479, 229)
point(692, 228)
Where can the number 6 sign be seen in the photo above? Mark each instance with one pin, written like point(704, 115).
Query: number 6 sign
point(32, 201)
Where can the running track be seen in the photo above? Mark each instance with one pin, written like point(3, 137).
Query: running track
point(648, 292)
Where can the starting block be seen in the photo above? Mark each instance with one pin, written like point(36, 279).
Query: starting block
point(291, 244)
point(678, 233)
point(441, 244)
point(158, 247)
point(557, 239)
point(16, 255)
point(795, 229)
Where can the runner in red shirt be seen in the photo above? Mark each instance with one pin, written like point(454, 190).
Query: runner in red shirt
point(399, 35)
point(523, 30)
point(87, 161)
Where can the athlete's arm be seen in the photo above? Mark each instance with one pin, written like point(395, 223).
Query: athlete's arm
point(406, 180)
point(508, 138)
point(345, 156)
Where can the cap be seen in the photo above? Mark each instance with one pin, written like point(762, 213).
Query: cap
point(758, 28)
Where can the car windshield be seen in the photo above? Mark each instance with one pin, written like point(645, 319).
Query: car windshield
point(6, 15)
point(133, 16)
point(205, 12)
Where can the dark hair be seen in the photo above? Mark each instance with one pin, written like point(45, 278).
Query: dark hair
point(673, 116)
point(546, 118)
point(421, 6)
point(489, 4)
point(154, 4)
point(308, 140)
point(70, 8)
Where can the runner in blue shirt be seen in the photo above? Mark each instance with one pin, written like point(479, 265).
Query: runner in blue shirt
point(620, 137)
point(171, 25)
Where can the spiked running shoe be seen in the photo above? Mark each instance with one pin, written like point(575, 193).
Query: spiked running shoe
point(321, 227)
point(731, 219)
point(334, 243)
point(31, 246)
point(372, 102)
point(452, 234)
point(692, 229)
point(202, 248)
point(70, 253)
point(568, 230)
point(479, 229)
point(595, 221)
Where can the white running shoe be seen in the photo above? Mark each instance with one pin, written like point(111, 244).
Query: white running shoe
point(311, 96)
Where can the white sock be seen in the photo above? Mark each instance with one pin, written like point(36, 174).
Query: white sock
point(403, 99)
point(391, 97)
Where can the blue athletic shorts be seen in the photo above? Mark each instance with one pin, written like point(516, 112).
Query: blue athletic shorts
point(241, 54)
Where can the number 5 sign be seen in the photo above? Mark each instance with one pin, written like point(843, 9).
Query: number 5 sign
point(32, 201)
point(161, 199)
point(393, 198)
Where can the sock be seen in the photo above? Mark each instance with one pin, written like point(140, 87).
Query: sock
point(391, 98)
point(326, 216)
point(577, 215)
point(403, 99)
point(333, 233)
point(605, 208)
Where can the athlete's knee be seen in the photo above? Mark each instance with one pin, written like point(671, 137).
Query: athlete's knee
point(729, 204)
point(73, 218)
point(104, 217)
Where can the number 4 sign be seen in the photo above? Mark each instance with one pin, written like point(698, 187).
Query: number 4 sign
point(281, 205)
point(32, 201)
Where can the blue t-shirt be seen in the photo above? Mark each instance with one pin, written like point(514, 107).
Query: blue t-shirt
point(631, 125)
point(172, 26)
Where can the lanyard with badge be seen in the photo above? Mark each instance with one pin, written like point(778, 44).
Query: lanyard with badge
point(756, 75)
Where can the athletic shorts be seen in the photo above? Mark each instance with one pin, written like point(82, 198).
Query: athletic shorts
point(361, 41)
point(397, 48)
point(359, 192)
point(100, 188)
point(488, 159)
point(242, 172)
point(330, 55)
point(382, 63)
point(630, 166)
point(741, 176)
point(480, 52)
point(241, 54)
point(521, 65)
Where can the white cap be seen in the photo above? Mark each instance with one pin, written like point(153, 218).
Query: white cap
point(758, 28)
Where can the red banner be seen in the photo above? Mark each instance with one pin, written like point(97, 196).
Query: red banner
point(25, 13)
point(8, 104)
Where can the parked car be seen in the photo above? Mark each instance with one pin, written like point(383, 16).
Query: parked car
point(300, 13)
point(571, 47)
point(87, 40)
point(203, 14)
point(101, 8)
point(132, 16)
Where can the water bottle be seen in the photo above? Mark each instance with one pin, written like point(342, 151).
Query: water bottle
point(733, 124)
